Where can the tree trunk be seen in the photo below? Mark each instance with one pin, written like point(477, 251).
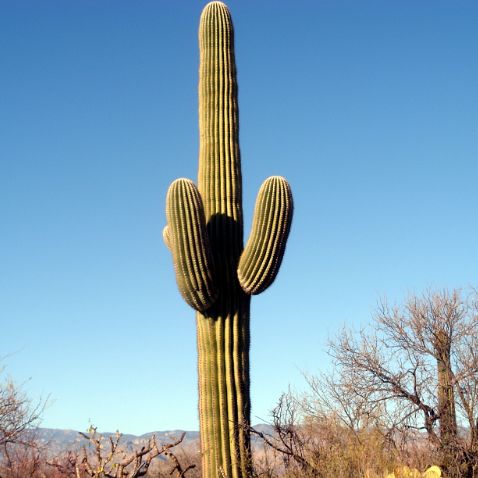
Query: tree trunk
point(446, 402)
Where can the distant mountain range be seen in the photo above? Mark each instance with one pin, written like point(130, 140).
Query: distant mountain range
point(58, 441)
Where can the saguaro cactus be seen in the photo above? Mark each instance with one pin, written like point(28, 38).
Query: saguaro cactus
point(215, 274)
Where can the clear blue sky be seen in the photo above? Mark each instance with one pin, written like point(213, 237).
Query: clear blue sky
point(369, 108)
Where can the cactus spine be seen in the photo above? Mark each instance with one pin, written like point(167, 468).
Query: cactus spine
point(215, 274)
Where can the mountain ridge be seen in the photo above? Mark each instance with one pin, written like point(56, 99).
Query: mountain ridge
point(59, 440)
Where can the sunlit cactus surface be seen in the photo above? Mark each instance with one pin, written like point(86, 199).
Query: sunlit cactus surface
point(215, 273)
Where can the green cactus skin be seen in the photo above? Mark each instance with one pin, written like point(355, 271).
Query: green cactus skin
point(188, 241)
point(215, 275)
point(260, 260)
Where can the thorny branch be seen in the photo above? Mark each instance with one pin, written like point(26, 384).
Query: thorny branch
point(115, 462)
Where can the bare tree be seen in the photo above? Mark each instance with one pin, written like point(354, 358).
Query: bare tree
point(19, 450)
point(105, 458)
point(17, 413)
point(417, 368)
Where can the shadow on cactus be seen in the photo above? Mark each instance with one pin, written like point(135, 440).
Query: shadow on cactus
point(215, 274)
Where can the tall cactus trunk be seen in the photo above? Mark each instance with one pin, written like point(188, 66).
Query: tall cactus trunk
point(224, 403)
point(223, 332)
point(215, 275)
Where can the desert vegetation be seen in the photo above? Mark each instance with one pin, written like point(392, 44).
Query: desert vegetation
point(402, 393)
point(400, 401)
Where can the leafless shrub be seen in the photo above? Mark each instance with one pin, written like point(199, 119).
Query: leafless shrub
point(105, 458)
point(17, 413)
point(303, 444)
point(289, 447)
point(20, 454)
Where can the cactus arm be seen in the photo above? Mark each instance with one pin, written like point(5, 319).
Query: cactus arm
point(187, 238)
point(262, 256)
